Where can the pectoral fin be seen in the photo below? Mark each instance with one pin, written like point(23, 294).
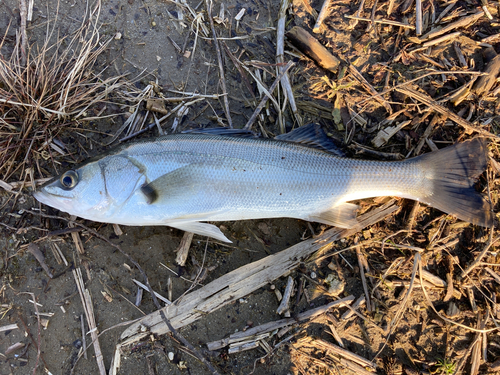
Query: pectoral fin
point(202, 229)
point(341, 216)
point(182, 182)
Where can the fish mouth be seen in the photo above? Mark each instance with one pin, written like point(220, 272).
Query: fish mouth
point(51, 200)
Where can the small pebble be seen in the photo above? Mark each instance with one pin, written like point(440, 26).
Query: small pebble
point(171, 356)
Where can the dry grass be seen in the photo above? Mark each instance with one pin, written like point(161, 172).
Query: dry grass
point(54, 86)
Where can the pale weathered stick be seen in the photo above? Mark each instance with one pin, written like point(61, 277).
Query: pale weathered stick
point(264, 100)
point(484, 84)
point(242, 281)
point(280, 59)
point(338, 351)
point(89, 314)
point(418, 17)
point(321, 17)
point(283, 307)
point(208, 4)
point(183, 249)
point(271, 326)
point(382, 21)
point(9, 327)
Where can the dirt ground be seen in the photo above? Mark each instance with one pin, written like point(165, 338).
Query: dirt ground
point(405, 331)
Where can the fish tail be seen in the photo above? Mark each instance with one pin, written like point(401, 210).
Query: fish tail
point(454, 172)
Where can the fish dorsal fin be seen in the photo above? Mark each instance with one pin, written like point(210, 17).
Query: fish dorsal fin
point(313, 136)
point(341, 216)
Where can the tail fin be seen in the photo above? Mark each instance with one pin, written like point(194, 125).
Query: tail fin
point(456, 169)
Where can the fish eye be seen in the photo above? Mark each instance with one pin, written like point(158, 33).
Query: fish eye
point(69, 179)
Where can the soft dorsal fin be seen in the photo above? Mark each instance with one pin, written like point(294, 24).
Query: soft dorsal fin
point(313, 136)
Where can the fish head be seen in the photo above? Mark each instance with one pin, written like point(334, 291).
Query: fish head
point(95, 190)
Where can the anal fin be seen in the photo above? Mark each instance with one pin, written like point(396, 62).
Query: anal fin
point(203, 229)
point(341, 216)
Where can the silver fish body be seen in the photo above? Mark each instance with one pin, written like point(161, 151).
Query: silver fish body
point(182, 180)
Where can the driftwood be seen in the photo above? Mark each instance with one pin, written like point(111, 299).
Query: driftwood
point(243, 281)
point(309, 45)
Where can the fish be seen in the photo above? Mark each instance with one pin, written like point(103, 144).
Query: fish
point(187, 181)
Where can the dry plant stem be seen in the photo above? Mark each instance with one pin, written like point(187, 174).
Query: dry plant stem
point(262, 103)
point(280, 52)
point(39, 338)
point(361, 263)
point(89, 314)
point(283, 307)
point(244, 280)
point(24, 39)
point(321, 16)
point(477, 260)
point(208, 4)
point(9, 327)
point(441, 316)
point(418, 17)
point(427, 100)
point(402, 306)
point(272, 326)
point(27, 330)
point(462, 22)
point(382, 21)
point(368, 87)
point(158, 295)
point(337, 351)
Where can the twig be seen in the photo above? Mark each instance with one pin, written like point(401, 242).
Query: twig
point(478, 259)
point(272, 326)
point(382, 21)
point(361, 263)
point(156, 294)
point(262, 103)
point(427, 100)
point(183, 249)
point(462, 22)
point(369, 88)
point(418, 17)
point(283, 307)
point(280, 59)
point(208, 4)
point(321, 16)
point(88, 308)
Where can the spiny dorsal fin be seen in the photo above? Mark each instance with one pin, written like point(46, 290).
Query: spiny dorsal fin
point(313, 136)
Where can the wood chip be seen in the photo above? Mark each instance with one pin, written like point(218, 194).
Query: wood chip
point(310, 46)
point(183, 249)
